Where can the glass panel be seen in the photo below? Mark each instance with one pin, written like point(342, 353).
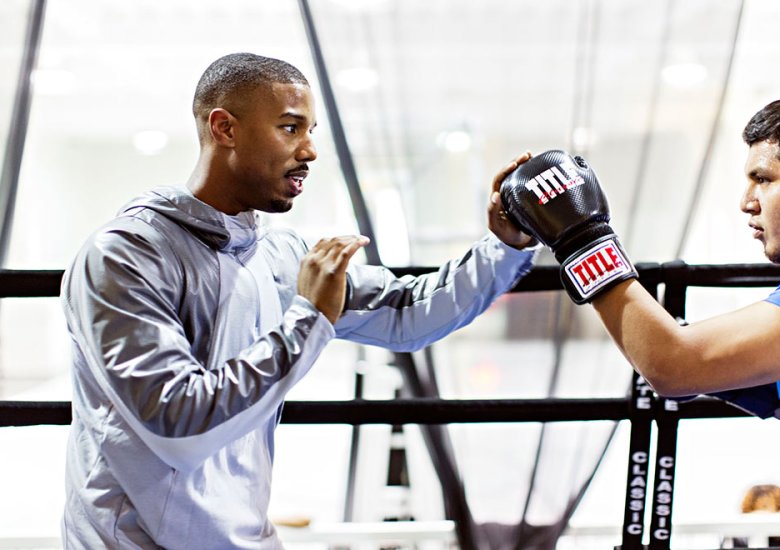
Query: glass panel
point(103, 91)
point(32, 473)
point(111, 118)
point(436, 98)
point(431, 116)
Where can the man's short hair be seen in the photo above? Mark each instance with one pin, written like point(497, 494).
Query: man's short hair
point(232, 77)
point(764, 126)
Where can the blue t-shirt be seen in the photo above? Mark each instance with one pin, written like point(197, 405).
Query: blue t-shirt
point(774, 297)
point(763, 401)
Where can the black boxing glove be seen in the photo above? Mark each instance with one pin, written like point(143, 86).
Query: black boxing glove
point(557, 198)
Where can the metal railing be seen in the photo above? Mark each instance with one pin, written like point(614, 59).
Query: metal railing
point(642, 408)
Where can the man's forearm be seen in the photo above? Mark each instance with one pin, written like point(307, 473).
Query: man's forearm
point(646, 334)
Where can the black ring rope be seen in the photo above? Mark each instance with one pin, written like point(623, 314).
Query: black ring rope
point(413, 411)
point(46, 283)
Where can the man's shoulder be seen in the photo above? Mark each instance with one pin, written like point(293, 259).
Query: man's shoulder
point(138, 235)
point(142, 223)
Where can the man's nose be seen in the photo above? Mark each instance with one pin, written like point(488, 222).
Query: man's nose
point(307, 152)
point(748, 203)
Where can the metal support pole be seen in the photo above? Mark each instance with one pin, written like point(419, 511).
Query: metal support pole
point(17, 131)
point(339, 137)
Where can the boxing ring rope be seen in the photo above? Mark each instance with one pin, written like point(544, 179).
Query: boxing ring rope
point(412, 411)
point(642, 408)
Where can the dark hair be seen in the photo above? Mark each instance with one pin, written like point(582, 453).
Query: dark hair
point(764, 126)
point(230, 77)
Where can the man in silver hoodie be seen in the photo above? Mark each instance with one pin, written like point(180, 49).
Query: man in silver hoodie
point(190, 324)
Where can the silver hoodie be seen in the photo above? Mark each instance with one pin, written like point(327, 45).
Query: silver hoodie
point(187, 334)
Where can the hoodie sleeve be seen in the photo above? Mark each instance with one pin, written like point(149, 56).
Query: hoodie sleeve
point(408, 313)
point(122, 298)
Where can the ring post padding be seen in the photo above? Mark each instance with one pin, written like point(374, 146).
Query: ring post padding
point(641, 417)
point(663, 482)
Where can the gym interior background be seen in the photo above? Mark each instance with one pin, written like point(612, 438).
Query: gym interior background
point(434, 97)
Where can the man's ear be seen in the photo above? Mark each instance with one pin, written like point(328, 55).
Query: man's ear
point(222, 127)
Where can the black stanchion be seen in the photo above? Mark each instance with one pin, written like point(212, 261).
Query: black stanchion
point(641, 415)
point(663, 482)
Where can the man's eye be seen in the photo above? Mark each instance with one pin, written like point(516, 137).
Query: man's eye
point(289, 128)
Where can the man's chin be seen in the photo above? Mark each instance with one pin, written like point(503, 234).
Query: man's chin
point(772, 255)
point(280, 206)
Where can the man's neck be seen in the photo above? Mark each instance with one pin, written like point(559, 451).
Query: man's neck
point(207, 182)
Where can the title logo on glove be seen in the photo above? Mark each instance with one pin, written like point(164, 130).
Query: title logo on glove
point(555, 181)
point(597, 267)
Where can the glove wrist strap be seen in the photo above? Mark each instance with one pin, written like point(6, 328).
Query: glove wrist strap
point(595, 268)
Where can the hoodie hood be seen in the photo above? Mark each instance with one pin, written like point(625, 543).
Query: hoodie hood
point(233, 234)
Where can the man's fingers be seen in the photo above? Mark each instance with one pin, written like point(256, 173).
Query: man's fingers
point(339, 249)
point(505, 171)
point(495, 207)
point(322, 279)
point(525, 157)
point(348, 247)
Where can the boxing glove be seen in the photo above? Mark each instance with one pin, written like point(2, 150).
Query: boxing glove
point(557, 198)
